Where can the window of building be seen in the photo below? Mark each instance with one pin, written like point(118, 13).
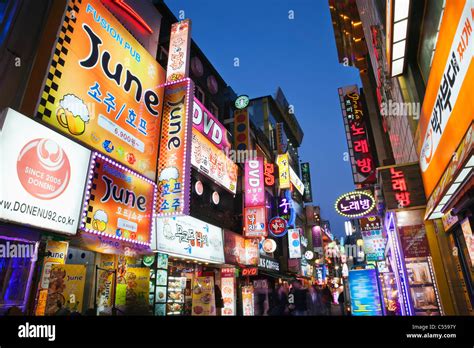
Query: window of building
point(15, 274)
point(429, 36)
point(163, 55)
point(214, 110)
point(199, 94)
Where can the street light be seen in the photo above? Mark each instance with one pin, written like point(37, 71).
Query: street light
point(348, 228)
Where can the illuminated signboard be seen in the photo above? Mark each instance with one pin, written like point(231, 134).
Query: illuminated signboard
point(251, 271)
point(269, 263)
point(306, 177)
point(295, 180)
point(119, 203)
point(255, 221)
point(179, 51)
point(294, 243)
point(104, 89)
point(277, 227)
point(365, 296)
point(234, 248)
point(286, 208)
point(191, 238)
point(208, 125)
point(317, 236)
point(355, 204)
point(284, 170)
point(241, 130)
point(242, 102)
point(42, 175)
point(447, 109)
point(269, 174)
point(254, 184)
point(362, 161)
point(373, 237)
point(175, 150)
point(374, 245)
point(212, 162)
point(402, 186)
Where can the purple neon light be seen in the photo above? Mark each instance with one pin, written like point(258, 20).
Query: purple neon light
point(400, 264)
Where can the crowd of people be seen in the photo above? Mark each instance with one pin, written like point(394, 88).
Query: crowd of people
point(297, 300)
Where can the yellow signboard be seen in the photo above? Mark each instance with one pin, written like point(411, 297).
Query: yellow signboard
point(284, 170)
point(104, 89)
point(66, 288)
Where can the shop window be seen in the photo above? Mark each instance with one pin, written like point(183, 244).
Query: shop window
point(14, 273)
point(199, 93)
point(429, 36)
point(214, 110)
point(163, 55)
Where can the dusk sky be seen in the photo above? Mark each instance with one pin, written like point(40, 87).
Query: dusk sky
point(297, 54)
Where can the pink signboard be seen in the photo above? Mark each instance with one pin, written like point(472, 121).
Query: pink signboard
point(254, 184)
point(208, 125)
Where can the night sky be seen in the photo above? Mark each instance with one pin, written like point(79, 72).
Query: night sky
point(297, 54)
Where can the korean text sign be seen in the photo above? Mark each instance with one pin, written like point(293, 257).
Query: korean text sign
point(254, 184)
point(363, 164)
point(119, 203)
point(42, 175)
point(104, 89)
point(448, 107)
point(179, 51)
point(212, 162)
point(284, 170)
point(255, 221)
point(402, 186)
point(191, 238)
point(175, 150)
point(355, 204)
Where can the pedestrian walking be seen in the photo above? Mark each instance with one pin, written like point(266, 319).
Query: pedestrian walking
point(314, 301)
point(300, 299)
point(280, 306)
point(341, 301)
point(327, 300)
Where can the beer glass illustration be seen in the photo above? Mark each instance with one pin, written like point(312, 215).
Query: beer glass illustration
point(99, 221)
point(72, 114)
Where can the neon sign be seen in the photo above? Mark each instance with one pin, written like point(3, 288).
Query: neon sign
point(355, 204)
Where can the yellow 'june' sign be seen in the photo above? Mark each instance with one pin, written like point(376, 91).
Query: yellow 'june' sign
point(104, 89)
point(66, 287)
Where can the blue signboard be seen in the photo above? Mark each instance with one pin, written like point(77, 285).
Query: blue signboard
point(365, 296)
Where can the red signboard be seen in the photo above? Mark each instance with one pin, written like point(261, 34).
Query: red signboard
point(269, 174)
point(277, 226)
point(252, 271)
point(402, 186)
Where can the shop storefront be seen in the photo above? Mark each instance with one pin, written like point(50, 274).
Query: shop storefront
point(43, 179)
point(189, 267)
point(445, 146)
